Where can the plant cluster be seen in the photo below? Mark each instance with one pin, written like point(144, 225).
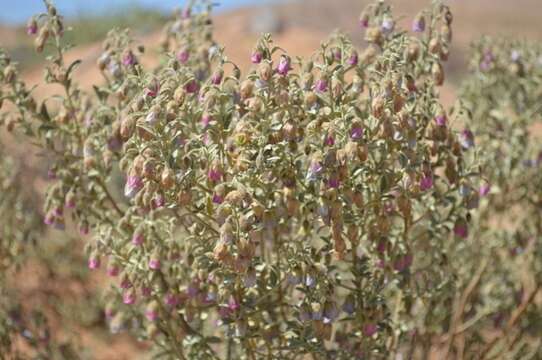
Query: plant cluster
point(316, 206)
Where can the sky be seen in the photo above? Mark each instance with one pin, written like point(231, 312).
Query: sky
point(18, 11)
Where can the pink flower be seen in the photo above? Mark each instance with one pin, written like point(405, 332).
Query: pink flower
point(113, 270)
point(284, 66)
point(128, 58)
point(484, 189)
point(133, 185)
point(353, 59)
point(356, 132)
point(320, 86)
point(129, 297)
point(233, 305)
point(426, 182)
point(32, 27)
point(192, 87)
point(369, 329)
point(461, 229)
point(329, 140)
point(137, 239)
point(183, 56)
point(466, 138)
point(440, 120)
point(214, 174)
point(94, 263)
point(256, 57)
point(154, 264)
point(206, 120)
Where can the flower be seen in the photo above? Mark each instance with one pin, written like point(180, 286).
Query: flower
point(426, 182)
point(441, 120)
point(484, 189)
point(129, 297)
point(461, 229)
point(183, 56)
point(133, 185)
point(94, 262)
point(418, 25)
point(353, 59)
point(128, 58)
point(369, 329)
point(284, 65)
point(192, 87)
point(320, 86)
point(256, 57)
point(466, 139)
point(32, 27)
point(356, 132)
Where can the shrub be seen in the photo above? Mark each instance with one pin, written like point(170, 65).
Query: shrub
point(316, 206)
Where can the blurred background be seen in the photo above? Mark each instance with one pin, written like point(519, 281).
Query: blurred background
point(298, 26)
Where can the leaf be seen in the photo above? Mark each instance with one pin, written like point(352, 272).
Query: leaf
point(72, 67)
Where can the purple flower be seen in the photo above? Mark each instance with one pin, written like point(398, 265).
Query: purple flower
point(426, 182)
point(128, 58)
point(515, 55)
point(466, 139)
point(137, 239)
point(461, 229)
point(206, 120)
point(154, 264)
point(94, 263)
point(113, 270)
point(129, 297)
point(183, 56)
point(353, 59)
point(364, 22)
point(32, 27)
point(214, 174)
point(146, 291)
point(333, 183)
point(356, 132)
point(441, 120)
point(216, 79)
point(217, 199)
point(315, 169)
point(171, 300)
point(320, 86)
point(49, 219)
point(349, 305)
point(484, 189)
point(284, 66)
point(387, 25)
point(256, 57)
point(233, 305)
point(133, 185)
point(151, 314)
point(418, 25)
point(403, 263)
point(125, 282)
point(329, 140)
point(369, 329)
point(192, 87)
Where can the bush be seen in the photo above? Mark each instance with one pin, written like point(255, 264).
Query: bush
point(315, 206)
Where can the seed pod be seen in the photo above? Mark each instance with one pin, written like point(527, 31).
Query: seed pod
point(373, 35)
point(246, 89)
point(438, 73)
point(434, 46)
point(167, 179)
point(40, 41)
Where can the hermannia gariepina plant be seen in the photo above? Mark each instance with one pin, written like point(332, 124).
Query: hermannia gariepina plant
point(310, 207)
